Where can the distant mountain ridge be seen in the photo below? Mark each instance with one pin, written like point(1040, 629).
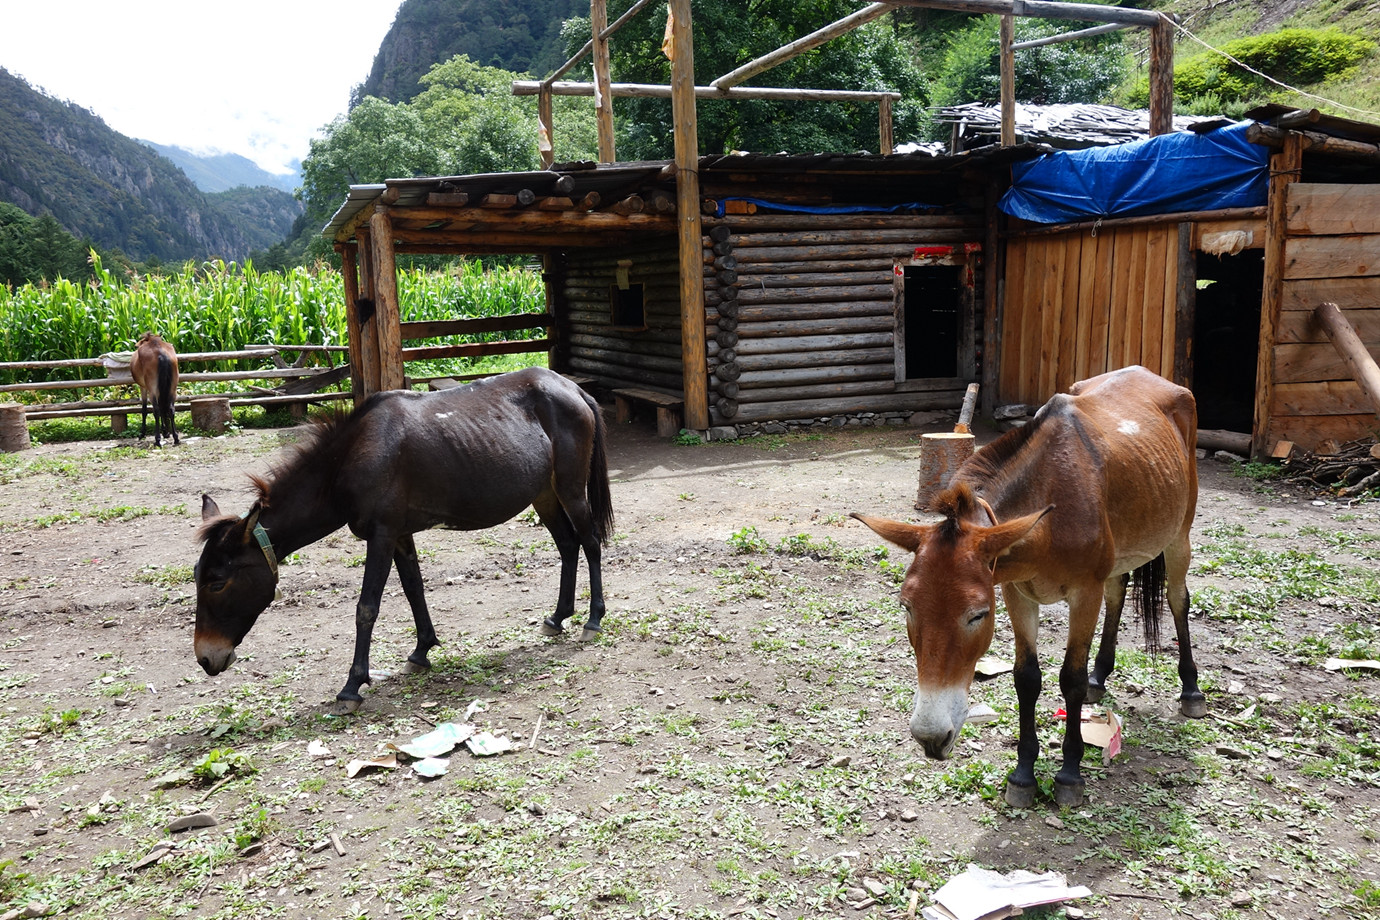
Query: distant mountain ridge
point(59, 159)
point(223, 171)
point(523, 36)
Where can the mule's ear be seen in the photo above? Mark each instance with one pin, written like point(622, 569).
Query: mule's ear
point(997, 539)
point(251, 520)
point(907, 536)
point(209, 508)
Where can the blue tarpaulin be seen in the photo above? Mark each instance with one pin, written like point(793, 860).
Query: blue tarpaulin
point(1161, 175)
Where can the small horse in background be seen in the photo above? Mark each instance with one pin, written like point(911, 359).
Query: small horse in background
point(1103, 482)
point(154, 368)
point(465, 458)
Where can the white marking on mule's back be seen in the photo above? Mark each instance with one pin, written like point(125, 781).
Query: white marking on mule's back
point(443, 414)
point(1128, 426)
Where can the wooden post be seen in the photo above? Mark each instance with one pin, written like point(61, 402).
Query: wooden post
point(349, 273)
point(1185, 306)
point(993, 268)
point(1008, 82)
point(603, 93)
point(366, 316)
point(386, 311)
point(546, 139)
point(1354, 354)
point(888, 142)
point(1285, 168)
point(1162, 77)
point(14, 430)
point(693, 356)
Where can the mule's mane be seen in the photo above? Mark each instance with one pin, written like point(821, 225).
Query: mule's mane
point(322, 446)
point(989, 462)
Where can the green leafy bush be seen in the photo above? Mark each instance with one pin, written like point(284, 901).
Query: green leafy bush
point(1210, 83)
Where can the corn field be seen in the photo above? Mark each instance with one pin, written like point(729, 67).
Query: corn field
point(223, 307)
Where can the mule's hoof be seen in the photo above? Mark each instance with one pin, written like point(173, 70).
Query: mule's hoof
point(1069, 795)
point(548, 628)
point(412, 667)
point(589, 635)
point(346, 707)
point(1019, 796)
point(1193, 707)
point(1095, 693)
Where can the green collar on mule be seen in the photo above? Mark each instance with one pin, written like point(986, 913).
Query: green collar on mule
point(266, 545)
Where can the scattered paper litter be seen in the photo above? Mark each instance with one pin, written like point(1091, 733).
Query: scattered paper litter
point(982, 893)
point(441, 740)
point(383, 762)
point(1337, 664)
point(981, 712)
point(476, 706)
point(1100, 729)
point(317, 748)
point(431, 767)
point(484, 744)
point(989, 667)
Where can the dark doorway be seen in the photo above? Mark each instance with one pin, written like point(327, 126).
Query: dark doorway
point(1226, 337)
point(931, 320)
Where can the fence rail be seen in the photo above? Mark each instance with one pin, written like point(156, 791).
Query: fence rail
point(303, 385)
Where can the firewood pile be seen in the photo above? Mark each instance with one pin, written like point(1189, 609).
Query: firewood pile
point(1348, 469)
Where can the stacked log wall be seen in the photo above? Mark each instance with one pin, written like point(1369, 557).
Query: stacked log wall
point(1331, 254)
point(800, 313)
point(620, 356)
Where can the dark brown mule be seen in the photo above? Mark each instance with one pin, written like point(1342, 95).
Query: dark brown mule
point(465, 458)
point(154, 368)
point(1101, 483)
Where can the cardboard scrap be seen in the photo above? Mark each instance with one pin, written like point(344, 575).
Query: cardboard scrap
point(982, 894)
point(1100, 729)
point(385, 762)
point(1337, 664)
point(981, 712)
point(441, 740)
point(989, 667)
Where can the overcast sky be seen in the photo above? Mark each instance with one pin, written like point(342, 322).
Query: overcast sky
point(257, 77)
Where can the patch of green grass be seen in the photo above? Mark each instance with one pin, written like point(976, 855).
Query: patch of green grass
point(218, 763)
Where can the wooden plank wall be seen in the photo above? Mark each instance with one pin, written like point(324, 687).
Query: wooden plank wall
point(1331, 253)
point(617, 356)
point(800, 313)
point(1080, 303)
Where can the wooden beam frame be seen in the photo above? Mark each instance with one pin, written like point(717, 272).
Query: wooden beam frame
point(801, 45)
point(690, 245)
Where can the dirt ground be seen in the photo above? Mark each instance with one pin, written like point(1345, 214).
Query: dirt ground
point(734, 744)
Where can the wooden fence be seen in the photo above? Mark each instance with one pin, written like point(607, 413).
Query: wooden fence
point(293, 385)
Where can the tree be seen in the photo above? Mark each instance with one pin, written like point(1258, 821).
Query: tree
point(1079, 71)
point(729, 33)
point(467, 120)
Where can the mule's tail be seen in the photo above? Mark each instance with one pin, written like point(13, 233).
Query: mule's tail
point(1148, 585)
point(163, 399)
point(597, 490)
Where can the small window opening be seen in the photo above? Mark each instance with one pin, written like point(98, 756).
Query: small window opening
point(628, 312)
point(932, 314)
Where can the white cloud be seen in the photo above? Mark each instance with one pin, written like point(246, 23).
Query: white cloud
point(257, 78)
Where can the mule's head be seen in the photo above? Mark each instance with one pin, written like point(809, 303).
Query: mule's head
point(235, 580)
point(950, 602)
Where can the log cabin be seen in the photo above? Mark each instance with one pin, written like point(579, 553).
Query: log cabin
point(871, 285)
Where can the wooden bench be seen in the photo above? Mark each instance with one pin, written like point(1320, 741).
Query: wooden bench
point(668, 408)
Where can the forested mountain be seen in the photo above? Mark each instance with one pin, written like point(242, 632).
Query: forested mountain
point(59, 159)
point(523, 36)
point(223, 171)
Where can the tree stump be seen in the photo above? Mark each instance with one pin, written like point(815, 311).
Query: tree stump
point(14, 430)
point(211, 413)
point(941, 454)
